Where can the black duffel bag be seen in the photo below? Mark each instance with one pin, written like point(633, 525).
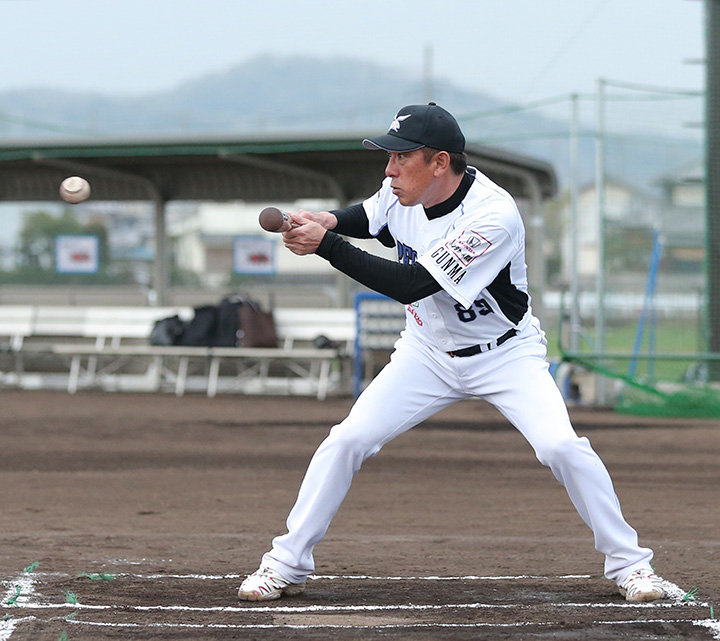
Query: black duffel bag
point(200, 331)
point(167, 331)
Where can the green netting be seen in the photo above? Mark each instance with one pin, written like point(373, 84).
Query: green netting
point(641, 398)
point(688, 402)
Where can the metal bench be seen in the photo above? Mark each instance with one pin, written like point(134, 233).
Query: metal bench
point(97, 342)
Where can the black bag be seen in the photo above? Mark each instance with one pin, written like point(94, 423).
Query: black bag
point(242, 322)
point(167, 331)
point(228, 321)
point(257, 326)
point(201, 329)
point(236, 321)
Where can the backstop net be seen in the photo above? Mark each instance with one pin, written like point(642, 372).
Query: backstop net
point(639, 318)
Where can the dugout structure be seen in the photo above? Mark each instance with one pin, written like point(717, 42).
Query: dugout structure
point(252, 169)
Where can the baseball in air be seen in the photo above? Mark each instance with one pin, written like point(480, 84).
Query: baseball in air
point(74, 190)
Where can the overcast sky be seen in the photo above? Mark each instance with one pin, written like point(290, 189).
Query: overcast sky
point(516, 50)
point(520, 50)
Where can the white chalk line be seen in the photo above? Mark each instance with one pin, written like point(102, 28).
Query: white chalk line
point(712, 624)
point(327, 608)
point(9, 626)
point(468, 577)
point(303, 609)
point(673, 591)
point(333, 577)
point(17, 595)
point(26, 582)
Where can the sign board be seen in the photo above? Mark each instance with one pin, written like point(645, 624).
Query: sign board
point(254, 255)
point(77, 254)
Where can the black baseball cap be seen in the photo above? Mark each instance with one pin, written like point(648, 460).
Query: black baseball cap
point(417, 126)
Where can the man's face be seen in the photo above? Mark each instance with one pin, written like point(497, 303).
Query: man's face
point(412, 179)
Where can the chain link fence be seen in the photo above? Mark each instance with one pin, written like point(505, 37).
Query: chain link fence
point(631, 250)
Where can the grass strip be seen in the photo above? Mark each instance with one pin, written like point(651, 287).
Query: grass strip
point(102, 576)
point(31, 567)
point(13, 599)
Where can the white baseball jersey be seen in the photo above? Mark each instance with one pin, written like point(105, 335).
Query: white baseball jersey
point(477, 255)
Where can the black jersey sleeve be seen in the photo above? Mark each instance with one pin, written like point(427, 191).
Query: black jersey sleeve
point(404, 283)
point(352, 221)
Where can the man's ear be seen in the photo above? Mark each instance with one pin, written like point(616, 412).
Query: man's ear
point(442, 162)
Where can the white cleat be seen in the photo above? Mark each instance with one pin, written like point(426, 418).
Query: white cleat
point(265, 584)
point(642, 585)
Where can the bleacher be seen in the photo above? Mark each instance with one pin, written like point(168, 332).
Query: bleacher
point(94, 347)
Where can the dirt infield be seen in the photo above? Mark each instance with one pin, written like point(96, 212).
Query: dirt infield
point(129, 516)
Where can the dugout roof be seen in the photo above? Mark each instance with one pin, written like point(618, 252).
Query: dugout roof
point(250, 169)
point(253, 169)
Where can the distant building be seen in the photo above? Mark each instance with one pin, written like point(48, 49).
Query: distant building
point(203, 240)
point(682, 218)
point(625, 209)
point(631, 217)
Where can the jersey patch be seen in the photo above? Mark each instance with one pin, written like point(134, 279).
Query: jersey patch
point(413, 312)
point(468, 246)
point(449, 264)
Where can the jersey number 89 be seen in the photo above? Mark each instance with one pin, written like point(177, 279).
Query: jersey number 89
point(469, 315)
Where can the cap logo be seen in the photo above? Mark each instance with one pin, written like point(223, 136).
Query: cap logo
point(395, 124)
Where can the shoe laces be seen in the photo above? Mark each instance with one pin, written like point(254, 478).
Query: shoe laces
point(272, 576)
point(640, 579)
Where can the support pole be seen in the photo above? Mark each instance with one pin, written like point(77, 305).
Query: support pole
point(712, 180)
point(575, 322)
point(160, 281)
point(600, 388)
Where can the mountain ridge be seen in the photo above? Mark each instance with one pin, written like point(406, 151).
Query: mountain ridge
point(305, 94)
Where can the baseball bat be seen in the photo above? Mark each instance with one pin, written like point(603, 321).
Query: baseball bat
point(275, 220)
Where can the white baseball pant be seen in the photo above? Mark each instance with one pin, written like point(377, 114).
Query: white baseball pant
point(417, 383)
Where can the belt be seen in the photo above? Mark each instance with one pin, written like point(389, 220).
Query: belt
point(486, 347)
